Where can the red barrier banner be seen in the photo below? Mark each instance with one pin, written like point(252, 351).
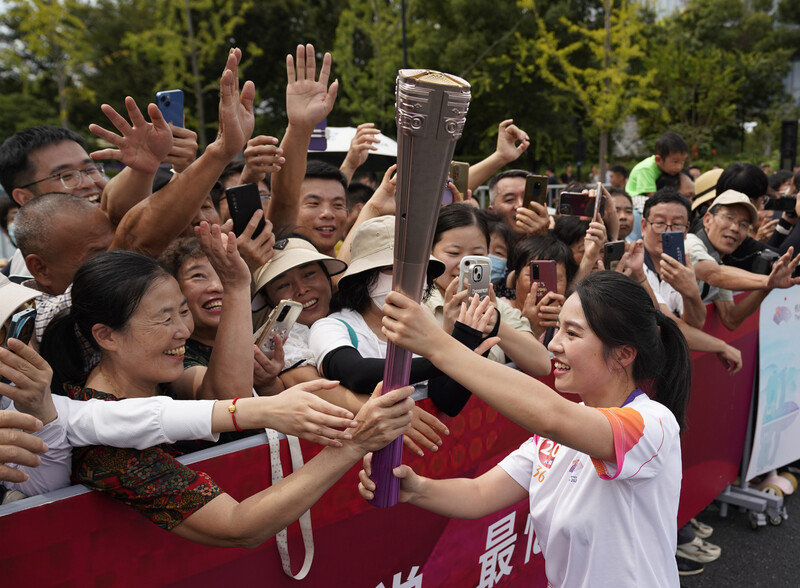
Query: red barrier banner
point(90, 539)
point(713, 443)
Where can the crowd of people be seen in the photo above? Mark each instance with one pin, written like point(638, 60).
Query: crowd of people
point(148, 305)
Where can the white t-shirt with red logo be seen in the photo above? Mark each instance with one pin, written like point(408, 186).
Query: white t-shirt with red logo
point(602, 523)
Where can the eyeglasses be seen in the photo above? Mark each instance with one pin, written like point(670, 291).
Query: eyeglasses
point(73, 178)
point(660, 226)
point(265, 196)
point(742, 225)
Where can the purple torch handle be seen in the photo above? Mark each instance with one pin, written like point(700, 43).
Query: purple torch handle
point(431, 108)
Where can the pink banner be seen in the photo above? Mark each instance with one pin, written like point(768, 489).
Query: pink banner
point(90, 539)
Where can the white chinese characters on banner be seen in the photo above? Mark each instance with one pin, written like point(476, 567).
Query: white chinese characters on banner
point(496, 562)
point(413, 580)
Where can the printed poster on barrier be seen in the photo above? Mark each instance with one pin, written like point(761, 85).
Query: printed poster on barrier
point(777, 434)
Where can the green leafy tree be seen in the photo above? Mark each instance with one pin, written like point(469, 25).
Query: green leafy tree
point(368, 53)
point(50, 41)
point(722, 64)
point(189, 36)
point(598, 67)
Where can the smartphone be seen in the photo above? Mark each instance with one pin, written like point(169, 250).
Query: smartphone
point(785, 203)
point(459, 171)
point(243, 202)
point(672, 245)
point(475, 271)
point(543, 277)
point(612, 253)
point(21, 327)
point(447, 193)
point(280, 322)
point(535, 190)
point(576, 204)
point(598, 216)
point(170, 103)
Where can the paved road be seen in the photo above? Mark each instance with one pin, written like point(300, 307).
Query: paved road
point(769, 556)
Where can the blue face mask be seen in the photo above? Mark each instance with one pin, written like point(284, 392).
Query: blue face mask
point(11, 235)
point(498, 266)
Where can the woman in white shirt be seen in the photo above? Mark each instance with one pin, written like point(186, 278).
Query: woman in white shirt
point(602, 477)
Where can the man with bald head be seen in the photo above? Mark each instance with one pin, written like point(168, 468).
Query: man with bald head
point(58, 232)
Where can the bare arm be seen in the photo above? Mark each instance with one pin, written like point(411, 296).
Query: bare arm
point(225, 522)
point(153, 223)
point(379, 204)
point(731, 278)
point(308, 101)
point(230, 370)
point(733, 315)
point(698, 340)
point(140, 146)
point(511, 143)
point(526, 401)
point(460, 498)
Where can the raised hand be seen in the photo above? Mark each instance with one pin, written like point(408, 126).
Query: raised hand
point(236, 119)
point(256, 252)
point(534, 220)
point(184, 148)
point(362, 143)
point(267, 369)
point(31, 376)
point(261, 157)
point(543, 314)
point(511, 141)
point(452, 305)
point(679, 276)
point(140, 145)
point(781, 274)
point(308, 100)
point(478, 314)
point(220, 248)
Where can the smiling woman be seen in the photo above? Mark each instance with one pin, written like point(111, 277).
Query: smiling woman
point(133, 312)
point(603, 477)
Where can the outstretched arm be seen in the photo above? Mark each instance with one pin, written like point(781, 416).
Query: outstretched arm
point(224, 522)
point(523, 399)
point(141, 146)
point(459, 498)
point(171, 209)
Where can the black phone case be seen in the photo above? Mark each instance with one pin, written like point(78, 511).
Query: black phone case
point(612, 253)
point(243, 202)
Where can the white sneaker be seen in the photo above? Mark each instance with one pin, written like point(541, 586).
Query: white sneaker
point(701, 529)
point(699, 550)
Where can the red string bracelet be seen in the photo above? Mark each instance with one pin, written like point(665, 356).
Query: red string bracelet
point(232, 410)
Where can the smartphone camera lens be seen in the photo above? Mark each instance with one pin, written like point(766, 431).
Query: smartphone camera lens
point(284, 312)
point(477, 273)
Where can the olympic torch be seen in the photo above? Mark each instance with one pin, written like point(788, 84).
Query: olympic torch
point(430, 111)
